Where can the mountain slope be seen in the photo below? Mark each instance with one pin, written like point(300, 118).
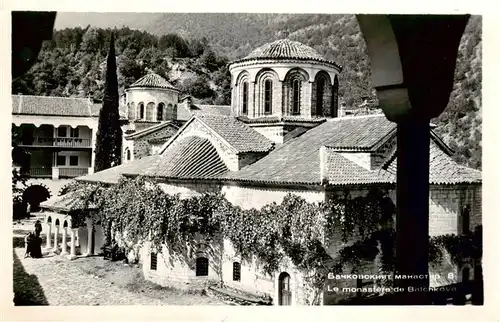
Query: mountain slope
point(72, 63)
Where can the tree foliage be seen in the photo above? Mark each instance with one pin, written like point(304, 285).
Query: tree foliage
point(294, 231)
point(181, 47)
point(109, 133)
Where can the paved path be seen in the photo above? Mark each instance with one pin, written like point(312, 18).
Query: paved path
point(54, 280)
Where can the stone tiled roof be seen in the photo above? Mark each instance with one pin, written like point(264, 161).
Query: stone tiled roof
point(152, 80)
point(342, 171)
point(190, 158)
point(149, 130)
point(211, 109)
point(285, 49)
point(239, 135)
point(65, 203)
point(52, 106)
point(443, 169)
point(277, 119)
point(298, 160)
point(112, 175)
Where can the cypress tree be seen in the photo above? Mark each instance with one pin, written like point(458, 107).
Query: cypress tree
point(109, 133)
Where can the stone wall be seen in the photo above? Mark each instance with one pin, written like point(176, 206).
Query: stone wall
point(257, 197)
point(141, 147)
point(188, 188)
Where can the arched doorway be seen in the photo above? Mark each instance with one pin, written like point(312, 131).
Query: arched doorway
point(284, 292)
point(34, 195)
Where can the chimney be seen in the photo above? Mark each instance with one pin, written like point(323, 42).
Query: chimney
point(322, 164)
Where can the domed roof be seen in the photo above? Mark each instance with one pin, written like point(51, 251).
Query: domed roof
point(152, 80)
point(285, 49)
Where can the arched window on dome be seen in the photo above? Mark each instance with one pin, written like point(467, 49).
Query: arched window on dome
point(322, 104)
point(141, 111)
point(296, 85)
point(244, 109)
point(335, 96)
point(160, 111)
point(268, 96)
point(320, 92)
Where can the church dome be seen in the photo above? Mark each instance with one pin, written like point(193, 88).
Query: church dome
point(284, 49)
point(153, 80)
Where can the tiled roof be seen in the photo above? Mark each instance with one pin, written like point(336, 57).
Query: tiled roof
point(277, 119)
point(152, 80)
point(51, 105)
point(285, 49)
point(358, 133)
point(298, 160)
point(211, 109)
point(66, 203)
point(112, 175)
point(190, 158)
point(442, 168)
point(341, 171)
point(239, 135)
point(149, 130)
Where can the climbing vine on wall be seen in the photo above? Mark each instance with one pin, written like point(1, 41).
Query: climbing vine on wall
point(295, 229)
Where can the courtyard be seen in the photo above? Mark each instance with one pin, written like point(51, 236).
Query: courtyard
point(53, 280)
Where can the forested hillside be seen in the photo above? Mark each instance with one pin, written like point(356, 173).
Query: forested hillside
point(192, 51)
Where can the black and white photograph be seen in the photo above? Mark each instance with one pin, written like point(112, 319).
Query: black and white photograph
point(246, 159)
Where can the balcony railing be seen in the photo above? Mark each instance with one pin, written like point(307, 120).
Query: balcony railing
point(58, 172)
point(72, 172)
point(42, 172)
point(59, 142)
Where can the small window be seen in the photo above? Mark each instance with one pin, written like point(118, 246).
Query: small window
point(141, 111)
point(245, 98)
point(128, 154)
point(236, 271)
point(61, 160)
point(75, 133)
point(296, 97)
point(73, 160)
point(61, 131)
point(159, 112)
point(202, 266)
point(268, 96)
point(154, 261)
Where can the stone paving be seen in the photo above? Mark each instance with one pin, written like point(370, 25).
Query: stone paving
point(91, 281)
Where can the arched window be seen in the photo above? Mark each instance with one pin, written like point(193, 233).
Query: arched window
point(320, 91)
point(245, 98)
point(159, 112)
point(296, 96)
point(268, 96)
point(202, 266)
point(284, 292)
point(141, 111)
point(57, 222)
point(127, 154)
point(154, 261)
point(236, 271)
point(335, 97)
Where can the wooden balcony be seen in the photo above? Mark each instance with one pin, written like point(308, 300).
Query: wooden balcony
point(58, 172)
point(64, 142)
